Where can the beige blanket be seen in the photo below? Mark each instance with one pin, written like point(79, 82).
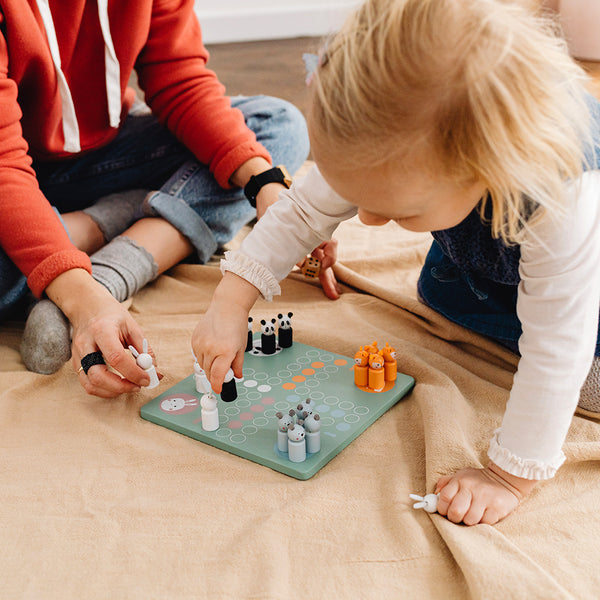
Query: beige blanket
point(98, 503)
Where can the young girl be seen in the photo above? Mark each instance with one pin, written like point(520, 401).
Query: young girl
point(469, 120)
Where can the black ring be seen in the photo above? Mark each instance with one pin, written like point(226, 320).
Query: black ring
point(91, 359)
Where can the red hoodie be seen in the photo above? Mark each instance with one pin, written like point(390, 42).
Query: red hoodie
point(161, 40)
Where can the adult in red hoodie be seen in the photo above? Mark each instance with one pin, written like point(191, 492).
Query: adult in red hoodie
point(70, 145)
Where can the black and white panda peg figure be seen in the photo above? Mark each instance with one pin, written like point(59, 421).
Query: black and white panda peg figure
point(229, 389)
point(285, 330)
point(249, 341)
point(267, 336)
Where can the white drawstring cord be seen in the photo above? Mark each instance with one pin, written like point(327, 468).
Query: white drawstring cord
point(112, 71)
point(70, 125)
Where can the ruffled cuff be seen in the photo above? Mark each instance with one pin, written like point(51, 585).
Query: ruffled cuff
point(253, 272)
point(520, 467)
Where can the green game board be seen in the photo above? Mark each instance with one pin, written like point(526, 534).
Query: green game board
point(278, 382)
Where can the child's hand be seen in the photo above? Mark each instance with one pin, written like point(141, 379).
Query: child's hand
point(218, 342)
point(219, 339)
point(327, 254)
point(475, 496)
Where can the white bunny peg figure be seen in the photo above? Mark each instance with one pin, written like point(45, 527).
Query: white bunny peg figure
point(144, 360)
point(428, 503)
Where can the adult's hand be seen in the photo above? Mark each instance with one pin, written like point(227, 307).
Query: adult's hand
point(100, 323)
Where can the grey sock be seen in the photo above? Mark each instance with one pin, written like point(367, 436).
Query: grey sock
point(46, 343)
point(123, 267)
point(589, 398)
point(117, 212)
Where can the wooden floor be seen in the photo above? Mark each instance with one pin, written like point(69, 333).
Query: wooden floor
point(276, 68)
point(273, 68)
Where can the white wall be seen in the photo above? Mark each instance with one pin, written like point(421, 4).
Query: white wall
point(248, 20)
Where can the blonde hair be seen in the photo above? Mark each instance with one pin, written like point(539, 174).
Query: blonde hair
point(484, 88)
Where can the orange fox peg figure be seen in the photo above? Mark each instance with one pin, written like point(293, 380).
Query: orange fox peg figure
point(390, 365)
point(372, 348)
point(361, 368)
point(376, 372)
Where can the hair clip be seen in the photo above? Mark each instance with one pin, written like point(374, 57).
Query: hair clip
point(313, 61)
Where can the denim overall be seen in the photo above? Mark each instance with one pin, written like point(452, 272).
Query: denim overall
point(472, 278)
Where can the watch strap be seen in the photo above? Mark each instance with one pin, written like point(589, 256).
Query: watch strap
point(277, 174)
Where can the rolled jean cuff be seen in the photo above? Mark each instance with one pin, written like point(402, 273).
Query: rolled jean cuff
point(186, 220)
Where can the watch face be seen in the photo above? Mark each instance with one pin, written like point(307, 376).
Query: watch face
point(287, 179)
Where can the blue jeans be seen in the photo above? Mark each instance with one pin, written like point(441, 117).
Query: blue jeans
point(145, 155)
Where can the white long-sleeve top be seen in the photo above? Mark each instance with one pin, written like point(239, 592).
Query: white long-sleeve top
point(558, 304)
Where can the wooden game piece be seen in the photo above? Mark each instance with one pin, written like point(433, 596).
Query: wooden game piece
point(285, 331)
point(372, 348)
point(283, 422)
point(210, 412)
point(267, 337)
point(376, 372)
point(307, 409)
point(200, 379)
point(312, 426)
point(428, 503)
point(361, 368)
point(296, 443)
point(250, 340)
point(144, 360)
point(311, 267)
point(390, 365)
point(229, 389)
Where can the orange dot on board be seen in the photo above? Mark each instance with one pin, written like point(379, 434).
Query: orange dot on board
point(340, 362)
point(308, 371)
point(288, 386)
point(298, 378)
point(318, 365)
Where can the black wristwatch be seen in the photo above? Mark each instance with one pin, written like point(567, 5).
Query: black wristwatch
point(277, 174)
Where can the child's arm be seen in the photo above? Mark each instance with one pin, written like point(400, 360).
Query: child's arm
point(219, 339)
point(305, 216)
point(267, 196)
point(558, 303)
